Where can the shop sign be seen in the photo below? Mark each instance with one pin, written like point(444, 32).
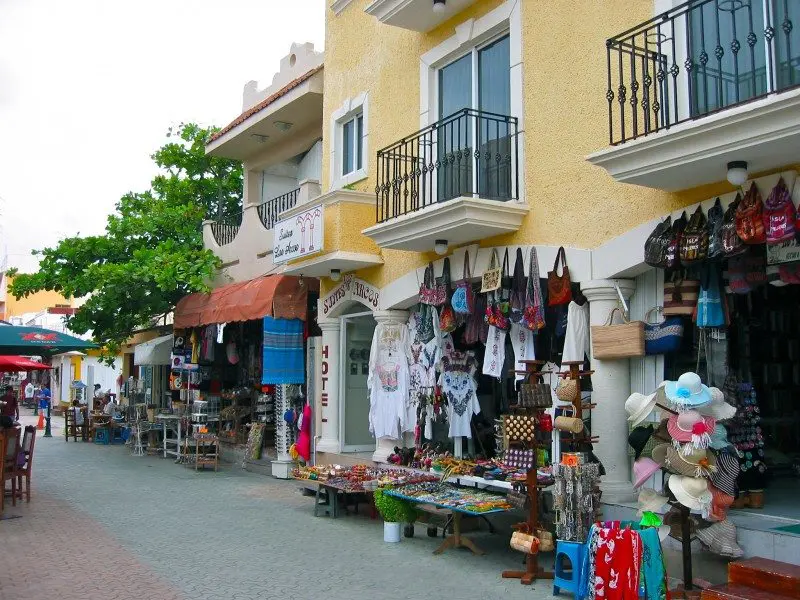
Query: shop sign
point(298, 235)
point(351, 289)
point(786, 252)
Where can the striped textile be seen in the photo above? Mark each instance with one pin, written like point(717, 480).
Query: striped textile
point(283, 356)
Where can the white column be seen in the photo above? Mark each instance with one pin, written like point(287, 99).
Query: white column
point(385, 446)
point(327, 389)
point(611, 385)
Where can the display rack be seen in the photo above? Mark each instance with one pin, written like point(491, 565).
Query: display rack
point(577, 440)
point(532, 569)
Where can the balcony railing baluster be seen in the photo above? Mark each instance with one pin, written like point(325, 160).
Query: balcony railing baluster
point(268, 211)
point(699, 58)
point(440, 163)
point(225, 228)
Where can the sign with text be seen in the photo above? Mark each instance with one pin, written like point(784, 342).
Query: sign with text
point(786, 252)
point(298, 235)
point(351, 289)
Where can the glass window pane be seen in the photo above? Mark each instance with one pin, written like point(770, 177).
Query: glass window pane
point(786, 16)
point(347, 148)
point(359, 141)
point(494, 78)
point(455, 86)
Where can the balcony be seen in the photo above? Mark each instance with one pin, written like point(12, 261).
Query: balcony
point(702, 84)
point(416, 15)
point(457, 179)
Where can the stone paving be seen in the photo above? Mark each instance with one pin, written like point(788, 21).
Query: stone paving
point(103, 524)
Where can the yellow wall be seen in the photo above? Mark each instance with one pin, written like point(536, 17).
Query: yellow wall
point(34, 303)
point(566, 117)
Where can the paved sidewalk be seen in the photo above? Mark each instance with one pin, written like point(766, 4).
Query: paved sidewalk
point(103, 524)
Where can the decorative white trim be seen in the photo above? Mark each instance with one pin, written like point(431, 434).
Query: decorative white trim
point(339, 5)
point(506, 18)
point(350, 108)
point(763, 132)
point(334, 197)
point(345, 261)
point(416, 15)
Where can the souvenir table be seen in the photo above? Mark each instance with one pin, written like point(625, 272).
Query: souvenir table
point(461, 501)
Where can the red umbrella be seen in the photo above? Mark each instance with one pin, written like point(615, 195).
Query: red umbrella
point(20, 363)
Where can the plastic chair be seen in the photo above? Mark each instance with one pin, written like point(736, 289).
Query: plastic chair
point(101, 435)
point(573, 551)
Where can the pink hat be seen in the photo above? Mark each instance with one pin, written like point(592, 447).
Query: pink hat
point(691, 426)
point(643, 469)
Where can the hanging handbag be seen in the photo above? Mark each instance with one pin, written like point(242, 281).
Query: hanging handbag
point(517, 499)
point(716, 218)
point(567, 389)
point(664, 337)
point(545, 422)
point(533, 315)
point(519, 428)
point(755, 269)
point(559, 287)
point(518, 289)
point(431, 292)
point(490, 280)
point(425, 332)
point(680, 296)
point(623, 340)
point(568, 423)
point(656, 244)
point(502, 305)
point(710, 302)
point(463, 300)
point(477, 329)
point(694, 241)
point(737, 279)
point(672, 252)
point(732, 244)
point(447, 317)
point(535, 395)
point(517, 458)
point(779, 215)
point(524, 542)
point(750, 218)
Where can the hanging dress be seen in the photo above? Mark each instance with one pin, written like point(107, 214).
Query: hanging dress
point(387, 381)
point(576, 338)
point(457, 381)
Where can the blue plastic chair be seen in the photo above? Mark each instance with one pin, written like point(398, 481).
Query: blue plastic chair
point(574, 551)
point(101, 436)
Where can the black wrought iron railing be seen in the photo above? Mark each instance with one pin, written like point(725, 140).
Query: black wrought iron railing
point(470, 153)
point(699, 58)
point(268, 211)
point(225, 228)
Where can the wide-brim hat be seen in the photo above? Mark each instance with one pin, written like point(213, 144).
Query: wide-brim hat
point(695, 463)
point(727, 472)
point(721, 539)
point(644, 469)
point(687, 392)
point(718, 407)
point(651, 501)
point(691, 426)
point(672, 521)
point(661, 434)
point(638, 406)
point(719, 437)
point(692, 492)
point(720, 503)
point(638, 438)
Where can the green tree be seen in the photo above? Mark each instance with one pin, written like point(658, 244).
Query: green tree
point(151, 253)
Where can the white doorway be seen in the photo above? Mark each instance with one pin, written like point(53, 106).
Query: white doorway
point(355, 343)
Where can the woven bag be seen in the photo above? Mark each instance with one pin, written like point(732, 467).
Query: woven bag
point(613, 341)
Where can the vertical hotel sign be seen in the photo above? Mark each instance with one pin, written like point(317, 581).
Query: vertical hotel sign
point(298, 235)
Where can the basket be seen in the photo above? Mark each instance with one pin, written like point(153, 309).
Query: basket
point(623, 340)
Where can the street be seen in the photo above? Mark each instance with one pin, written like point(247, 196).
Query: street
point(103, 524)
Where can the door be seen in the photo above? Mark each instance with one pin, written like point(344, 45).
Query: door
point(356, 340)
point(474, 146)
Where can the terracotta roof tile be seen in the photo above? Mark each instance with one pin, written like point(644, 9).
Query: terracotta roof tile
point(266, 102)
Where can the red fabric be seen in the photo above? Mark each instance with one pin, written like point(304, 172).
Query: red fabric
point(20, 363)
point(303, 445)
point(279, 296)
point(619, 555)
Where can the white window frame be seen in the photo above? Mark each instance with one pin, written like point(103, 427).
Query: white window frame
point(470, 36)
point(350, 109)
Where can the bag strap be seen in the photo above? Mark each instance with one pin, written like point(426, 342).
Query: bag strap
point(534, 286)
point(561, 256)
point(505, 263)
point(656, 309)
point(494, 260)
point(466, 272)
point(429, 277)
point(446, 273)
point(610, 319)
point(519, 273)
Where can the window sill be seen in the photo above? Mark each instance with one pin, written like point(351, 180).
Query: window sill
point(349, 179)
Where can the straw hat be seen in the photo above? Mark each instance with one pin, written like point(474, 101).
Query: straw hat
point(688, 391)
point(638, 406)
point(651, 501)
point(643, 469)
point(718, 408)
point(672, 521)
point(638, 438)
point(695, 463)
point(691, 426)
point(721, 539)
point(692, 492)
point(726, 474)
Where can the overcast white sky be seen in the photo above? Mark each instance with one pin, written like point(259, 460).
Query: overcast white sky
point(88, 89)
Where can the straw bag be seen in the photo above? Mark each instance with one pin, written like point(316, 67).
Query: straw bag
point(524, 542)
point(546, 540)
point(567, 389)
point(625, 340)
point(490, 281)
point(568, 423)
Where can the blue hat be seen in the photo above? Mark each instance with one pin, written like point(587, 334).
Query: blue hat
point(688, 391)
point(719, 438)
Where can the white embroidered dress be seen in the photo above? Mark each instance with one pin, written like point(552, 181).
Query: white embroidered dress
point(458, 384)
point(387, 381)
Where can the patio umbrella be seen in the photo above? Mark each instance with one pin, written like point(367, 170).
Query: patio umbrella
point(38, 341)
point(20, 363)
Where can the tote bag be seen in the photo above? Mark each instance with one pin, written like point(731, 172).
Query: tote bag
point(463, 300)
point(559, 287)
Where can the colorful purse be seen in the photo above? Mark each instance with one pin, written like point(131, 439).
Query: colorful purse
point(431, 292)
point(694, 241)
point(656, 244)
point(519, 428)
point(750, 218)
point(545, 422)
point(672, 251)
point(664, 337)
point(680, 296)
point(490, 280)
point(716, 219)
point(779, 215)
point(533, 315)
point(463, 300)
point(559, 287)
point(732, 244)
point(447, 317)
point(518, 289)
point(535, 395)
point(519, 459)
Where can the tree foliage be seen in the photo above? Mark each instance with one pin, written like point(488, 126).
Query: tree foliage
point(151, 253)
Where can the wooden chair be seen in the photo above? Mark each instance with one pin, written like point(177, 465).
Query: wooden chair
point(24, 472)
point(10, 451)
point(71, 425)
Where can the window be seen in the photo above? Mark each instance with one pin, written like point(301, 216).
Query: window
point(349, 148)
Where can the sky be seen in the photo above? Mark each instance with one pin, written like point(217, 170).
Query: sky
point(88, 89)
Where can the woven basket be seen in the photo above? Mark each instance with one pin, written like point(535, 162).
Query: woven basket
point(623, 340)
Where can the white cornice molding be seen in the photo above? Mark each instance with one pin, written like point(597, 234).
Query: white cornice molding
point(339, 5)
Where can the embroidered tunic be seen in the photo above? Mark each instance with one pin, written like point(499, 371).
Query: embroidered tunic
point(387, 381)
point(458, 384)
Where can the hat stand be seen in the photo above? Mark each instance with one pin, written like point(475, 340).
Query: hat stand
point(532, 569)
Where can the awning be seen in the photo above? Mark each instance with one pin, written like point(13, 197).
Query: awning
point(278, 296)
point(154, 352)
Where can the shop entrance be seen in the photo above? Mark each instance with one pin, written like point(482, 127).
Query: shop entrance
point(356, 339)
